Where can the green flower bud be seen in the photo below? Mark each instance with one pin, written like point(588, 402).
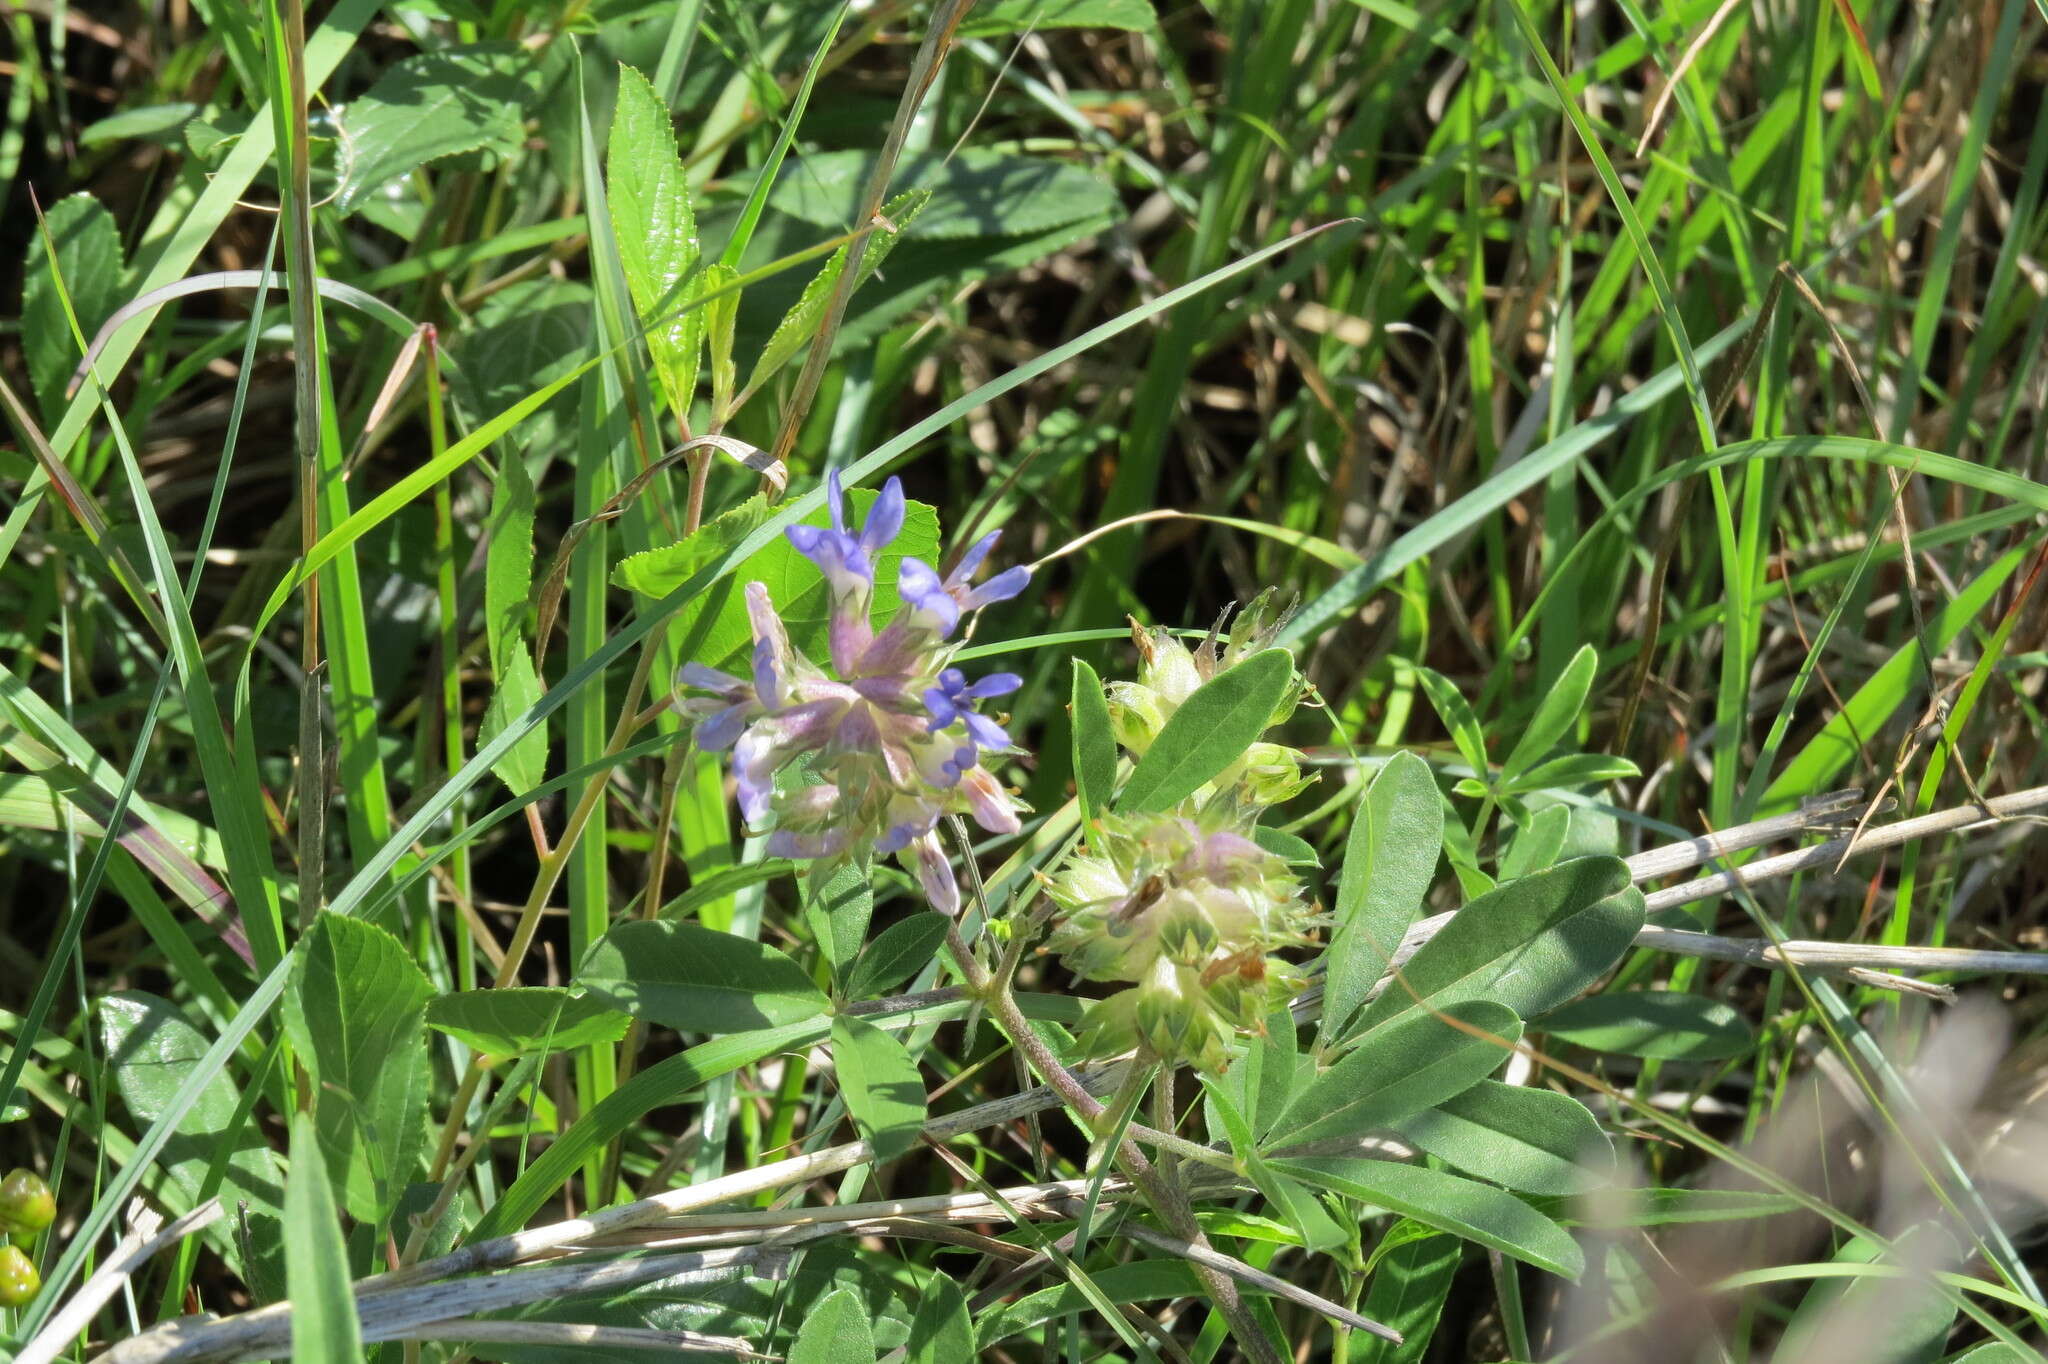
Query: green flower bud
point(25, 1202)
point(19, 1281)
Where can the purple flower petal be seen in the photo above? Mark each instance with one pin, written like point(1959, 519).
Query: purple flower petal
point(989, 803)
point(885, 518)
point(722, 730)
point(926, 597)
point(706, 679)
point(971, 560)
point(835, 500)
point(985, 732)
point(995, 684)
point(935, 875)
point(1002, 587)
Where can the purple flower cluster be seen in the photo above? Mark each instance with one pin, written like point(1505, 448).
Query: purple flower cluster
point(891, 732)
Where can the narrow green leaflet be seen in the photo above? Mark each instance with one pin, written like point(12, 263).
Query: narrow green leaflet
point(941, 1332)
point(1530, 944)
point(325, 1328)
point(1397, 1069)
point(356, 1015)
point(1671, 1025)
point(1094, 742)
point(1573, 769)
point(1555, 714)
point(515, 1021)
point(880, 1084)
point(1456, 713)
point(696, 979)
point(1407, 1292)
point(1136, 1281)
point(898, 952)
point(1211, 730)
point(656, 230)
point(1533, 1140)
point(151, 1050)
point(1389, 861)
point(837, 1332)
point(431, 105)
point(1477, 1212)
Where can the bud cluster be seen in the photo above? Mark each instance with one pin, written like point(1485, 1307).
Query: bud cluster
point(1184, 904)
point(874, 750)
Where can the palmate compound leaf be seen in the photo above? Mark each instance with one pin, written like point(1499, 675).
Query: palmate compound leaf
point(515, 1021)
point(1409, 1063)
point(696, 979)
point(1530, 944)
point(1210, 731)
point(1478, 1212)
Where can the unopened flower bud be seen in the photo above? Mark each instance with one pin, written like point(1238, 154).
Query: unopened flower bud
point(25, 1203)
point(19, 1281)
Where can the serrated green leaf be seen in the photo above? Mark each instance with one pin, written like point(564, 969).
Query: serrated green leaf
point(1477, 1212)
point(431, 105)
point(1535, 1140)
point(880, 1084)
point(801, 323)
point(696, 979)
point(1529, 944)
point(1555, 715)
point(88, 247)
point(518, 686)
point(721, 321)
point(658, 572)
point(1094, 741)
point(325, 1327)
point(1035, 16)
point(897, 953)
point(656, 230)
point(158, 123)
point(356, 1015)
point(1413, 1062)
point(1668, 1025)
point(515, 1021)
point(1389, 860)
point(1210, 731)
point(836, 1332)
point(508, 560)
point(523, 338)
